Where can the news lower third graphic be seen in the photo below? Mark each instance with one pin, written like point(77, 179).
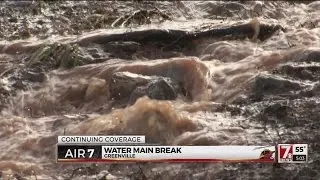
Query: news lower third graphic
point(82, 149)
point(292, 153)
point(130, 153)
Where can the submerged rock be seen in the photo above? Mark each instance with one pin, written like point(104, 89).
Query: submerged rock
point(95, 53)
point(34, 76)
point(126, 85)
point(278, 110)
point(267, 84)
point(300, 71)
point(122, 49)
point(308, 56)
point(161, 89)
point(137, 93)
point(314, 91)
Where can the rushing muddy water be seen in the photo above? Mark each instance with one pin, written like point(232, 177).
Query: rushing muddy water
point(208, 73)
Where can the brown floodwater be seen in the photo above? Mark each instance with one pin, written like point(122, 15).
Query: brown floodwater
point(77, 101)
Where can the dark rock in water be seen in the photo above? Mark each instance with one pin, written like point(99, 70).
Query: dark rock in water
point(267, 84)
point(315, 91)
point(291, 114)
point(18, 84)
point(300, 71)
point(310, 55)
point(34, 76)
point(4, 90)
point(316, 88)
point(128, 46)
point(276, 113)
point(266, 31)
point(122, 49)
point(94, 52)
point(241, 100)
point(13, 19)
point(313, 56)
point(161, 90)
point(124, 83)
point(277, 110)
point(137, 93)
point(57, 124)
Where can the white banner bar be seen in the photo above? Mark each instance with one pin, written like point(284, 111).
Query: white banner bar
point(185, 153)
point(101, 139)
